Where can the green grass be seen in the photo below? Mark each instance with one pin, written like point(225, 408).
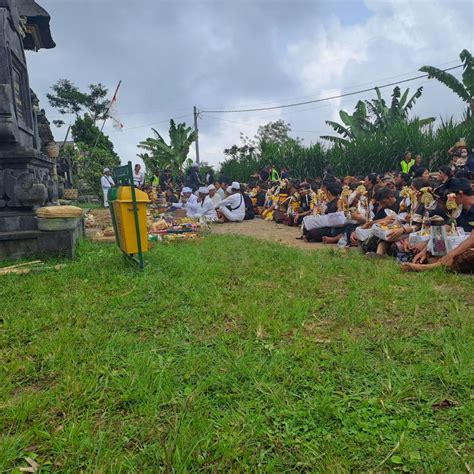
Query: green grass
point(232, 354)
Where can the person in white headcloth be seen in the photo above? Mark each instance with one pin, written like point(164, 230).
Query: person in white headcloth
point(187, 201)
point(232, 208)
point(206, 208)
point(214, 195)
point(106, 181)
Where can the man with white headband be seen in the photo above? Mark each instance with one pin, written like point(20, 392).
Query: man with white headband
point(187, 201)
point(205, 209)
point(232, 208)
point(214, 195)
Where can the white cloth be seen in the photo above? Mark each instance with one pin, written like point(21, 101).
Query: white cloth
point(333, 219)
point(216, 199)
point(138, 179)
point(221, 193)
point(206, 209)
point(106, 182)
point(236, 204)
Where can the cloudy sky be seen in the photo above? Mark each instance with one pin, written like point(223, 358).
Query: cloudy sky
point(226, 54)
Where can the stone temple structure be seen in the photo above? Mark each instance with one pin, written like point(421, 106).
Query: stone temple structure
point(26, 171)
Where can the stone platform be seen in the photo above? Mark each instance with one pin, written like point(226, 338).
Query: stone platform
point(37, 243)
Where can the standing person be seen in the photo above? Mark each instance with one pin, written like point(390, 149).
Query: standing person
point(274, 176)
point(106, 182)
point(210, 177)
point(179, 179)
point(407, 163)
point(285, 173)
point(232, 208)
point(138, 176)
point(193, 180)
point(264, 174)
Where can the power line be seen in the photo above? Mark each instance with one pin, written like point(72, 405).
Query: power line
point(346, 87)
point(296, 104)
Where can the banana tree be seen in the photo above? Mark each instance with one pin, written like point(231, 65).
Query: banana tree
point(355, 126)
point(386, 117)
point(160, 155)
point(465, 88)
point(375, 115)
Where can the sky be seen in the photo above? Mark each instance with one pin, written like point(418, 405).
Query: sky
point(172, 55)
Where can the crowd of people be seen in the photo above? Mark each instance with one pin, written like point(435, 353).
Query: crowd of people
point(423, 218)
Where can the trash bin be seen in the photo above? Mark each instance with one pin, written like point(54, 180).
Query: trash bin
point(127, 233)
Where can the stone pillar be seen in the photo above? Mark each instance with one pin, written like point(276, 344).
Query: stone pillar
point(25, 170)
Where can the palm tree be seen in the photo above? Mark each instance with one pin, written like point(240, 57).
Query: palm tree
point(464, 89)
point(161, 155)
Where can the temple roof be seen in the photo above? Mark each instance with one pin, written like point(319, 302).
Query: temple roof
point(39, 33)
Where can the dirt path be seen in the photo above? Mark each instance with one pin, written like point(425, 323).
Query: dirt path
point(266, 230)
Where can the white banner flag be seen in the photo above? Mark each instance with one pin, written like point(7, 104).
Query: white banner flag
point(113, 111)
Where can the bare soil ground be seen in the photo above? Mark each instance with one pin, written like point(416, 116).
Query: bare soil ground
point(257, 228)
point(266, 230)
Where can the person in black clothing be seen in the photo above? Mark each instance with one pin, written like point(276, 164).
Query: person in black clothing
point(386, 199)
point(166, 180)
point(249, 210)
point(264, 174)
point(445, 175)
point(260, 197)
point(464, 197)
point(418, 164)
point(421, 172)
point(304, 205)
point(193, 180)
point(333, 190)
point(179, 179)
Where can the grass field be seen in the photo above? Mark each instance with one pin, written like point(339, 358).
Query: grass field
point(231, 354)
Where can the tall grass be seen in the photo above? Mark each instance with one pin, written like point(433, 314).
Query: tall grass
point(379, 152)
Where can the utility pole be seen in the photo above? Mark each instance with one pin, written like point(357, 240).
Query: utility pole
point(196, 114)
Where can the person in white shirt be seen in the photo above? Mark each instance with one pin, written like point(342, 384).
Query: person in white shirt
point(220, 190)
point(187, 201)
point(215, 197)
point(106, 182)
point(206, 208)
point(138, 176)
point(232, 208)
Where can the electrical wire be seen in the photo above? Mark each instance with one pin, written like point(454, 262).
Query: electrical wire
point(296, 104)
point(386, 78)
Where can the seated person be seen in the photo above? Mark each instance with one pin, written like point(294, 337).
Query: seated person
point(232, 208)
point(464, 198)
point(205, 209)
point(214, 195)
point(188, 201)
point(170, 196)
point(303, 206)
point(258, 195)
point(332, 190)
point(249, 209)
point(459, 260)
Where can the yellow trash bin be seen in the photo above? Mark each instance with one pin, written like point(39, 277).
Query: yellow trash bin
point(125, 219)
